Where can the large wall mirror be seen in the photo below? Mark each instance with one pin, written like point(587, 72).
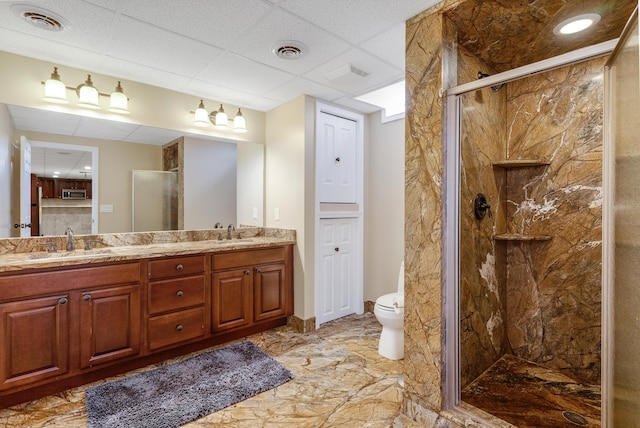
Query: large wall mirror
point(224, 179)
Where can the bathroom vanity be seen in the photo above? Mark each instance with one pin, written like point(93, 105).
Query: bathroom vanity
point(70, 318)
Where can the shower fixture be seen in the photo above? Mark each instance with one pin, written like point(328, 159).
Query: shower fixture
point(494, 88)
point(481, 207)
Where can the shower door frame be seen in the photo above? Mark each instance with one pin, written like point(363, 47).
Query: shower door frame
point(451, 210)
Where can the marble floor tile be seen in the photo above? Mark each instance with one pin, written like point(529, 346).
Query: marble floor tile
point(530, 395)
point(340, 380)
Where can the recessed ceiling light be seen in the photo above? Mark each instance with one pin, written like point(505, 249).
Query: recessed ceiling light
point(576, 24)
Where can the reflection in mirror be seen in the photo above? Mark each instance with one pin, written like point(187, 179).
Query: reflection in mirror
point(124, 147)
point(154, 204)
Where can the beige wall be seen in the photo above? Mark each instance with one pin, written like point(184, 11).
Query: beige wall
point(384, 205)
point(148, 105)
point(6, 132)
point(289, 172)
point(116, 161)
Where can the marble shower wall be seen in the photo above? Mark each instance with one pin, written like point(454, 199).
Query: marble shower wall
point(483, 338)
point(554, 287)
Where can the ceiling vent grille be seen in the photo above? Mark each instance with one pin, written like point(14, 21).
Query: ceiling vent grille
point(347, 71)
point(40, 18)
point(289, 49)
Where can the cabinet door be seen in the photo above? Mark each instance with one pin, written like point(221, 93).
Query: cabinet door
point(337, 159)
point(35, 340)
point(231, 299)
point(109, 324)
point(339, 271)
point(269, 294)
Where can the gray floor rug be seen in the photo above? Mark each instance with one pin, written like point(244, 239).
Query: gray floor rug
point(179, 393)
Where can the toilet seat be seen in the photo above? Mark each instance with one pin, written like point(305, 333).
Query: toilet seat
point(390, 302)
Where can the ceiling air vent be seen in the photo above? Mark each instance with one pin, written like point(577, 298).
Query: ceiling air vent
point(289, 49)
point(41, 18)
point(347, 71)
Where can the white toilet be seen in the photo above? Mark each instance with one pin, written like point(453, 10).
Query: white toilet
point(389, 311)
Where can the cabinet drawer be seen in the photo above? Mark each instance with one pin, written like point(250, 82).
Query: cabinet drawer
point(224, 261)
point(175, 266)
point(25, 285)
point(175, 294)
point(173, 328)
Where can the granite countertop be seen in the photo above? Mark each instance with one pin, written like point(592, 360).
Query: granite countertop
point(28, 253)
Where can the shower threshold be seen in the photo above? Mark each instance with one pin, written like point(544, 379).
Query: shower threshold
point(526, 394)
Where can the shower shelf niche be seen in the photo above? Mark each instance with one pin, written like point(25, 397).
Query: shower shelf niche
point(519, 163)
point(520, 237)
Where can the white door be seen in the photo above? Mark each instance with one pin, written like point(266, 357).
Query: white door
point(338, 271)
point(337, 148)
point(25, 187)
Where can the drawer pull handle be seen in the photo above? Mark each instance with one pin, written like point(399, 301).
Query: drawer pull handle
point(63, 301)
point(180, 267)
point(86, 297)
point(246, 272)
point(180, 293)
point(179, 327)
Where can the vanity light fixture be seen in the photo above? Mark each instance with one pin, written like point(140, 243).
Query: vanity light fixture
point(222, 120)
point(239, 124)
point(576, 24)
point(88, 94)
point(218, 119)
point(55, 91)
point(202, 116)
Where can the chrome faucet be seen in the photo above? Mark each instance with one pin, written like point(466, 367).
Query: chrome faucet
point(70, 245)
point(229, 229)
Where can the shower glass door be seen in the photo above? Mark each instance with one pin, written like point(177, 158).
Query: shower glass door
point(621, 298)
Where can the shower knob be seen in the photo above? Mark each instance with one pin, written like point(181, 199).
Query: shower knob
point(481, 207)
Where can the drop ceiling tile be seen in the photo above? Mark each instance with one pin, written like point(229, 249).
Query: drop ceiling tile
point(104, 129)
point(137, 72)
point(37, 120)
point(211, 22)
point(386, 46)
point(356, 20)
point(142, 43)
point(87, 24)
point(151, 135)
point(380, 75)
point(281, 26)
point(49, 50)
point(298, 86)
point(244, 75)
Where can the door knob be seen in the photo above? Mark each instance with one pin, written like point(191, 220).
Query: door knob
point(337, 249)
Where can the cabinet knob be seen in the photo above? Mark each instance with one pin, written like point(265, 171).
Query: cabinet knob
point(179, 327)
point(63, 301)
point(246, 272)
point(86, 297)
point(180, 293)
point(338, 159)
point(179, 267)
point(337, 249)
point(258, 270)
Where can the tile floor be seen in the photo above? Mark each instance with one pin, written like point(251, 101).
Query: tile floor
point(340, 380)
point(529, 395)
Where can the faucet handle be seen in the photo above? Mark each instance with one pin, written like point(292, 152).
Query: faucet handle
point(89, 244)
point(52, 246)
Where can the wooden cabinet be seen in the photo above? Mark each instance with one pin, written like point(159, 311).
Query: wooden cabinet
point(35, 340)
point(231, 299)
point(249, 287)
point(176, 301)
point(55, 323)
point(65, 327)
point(109, 324)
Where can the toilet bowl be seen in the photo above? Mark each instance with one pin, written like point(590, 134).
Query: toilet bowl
point(389, 311)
